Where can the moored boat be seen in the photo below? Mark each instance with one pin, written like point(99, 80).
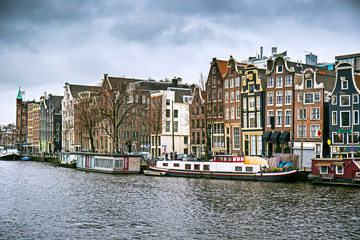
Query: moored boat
point(10, 154)
point(224, 167)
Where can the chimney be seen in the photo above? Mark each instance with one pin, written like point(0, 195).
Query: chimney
point(174, 82)
point(273, 51)
point(261, 52)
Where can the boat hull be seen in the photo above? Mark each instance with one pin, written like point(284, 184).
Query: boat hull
point(268, 177)
point(11, 156)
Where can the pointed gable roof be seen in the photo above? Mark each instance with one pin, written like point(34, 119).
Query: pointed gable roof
point(222, 65)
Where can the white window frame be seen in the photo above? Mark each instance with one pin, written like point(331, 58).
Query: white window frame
point(258, 120)
point(227, 113)
point(337, 170)
point(245, 103)
point(343, 96)
point(309, 94)
point(342, 84)
point(311, 113)
point(287, 95)
point(300, 97)
point(279, 84)
point(272, 82)
point(237, 82)
point(341, 124)
point(306, 83)
point(252, 117)
point(279, 94)
point(238, 112)
point(232, 97)
point(334, 113)
point(356, 120)
point(258, 102)
point(237, 96)
point(286, 80)
point(317, 129)
point(226, 83)
point(276, 118)
point(268, 97)
point(226, 97)
point(299, 113)
point(232, 113)
point(286, 111)
point(278, 70)
point(268, 124)
point(245, 119)
point(324, 172)
point(231, 82)
point(316, 94)
point(357, 98)
point(332, 139)
point(303, 130)
point(251, 103)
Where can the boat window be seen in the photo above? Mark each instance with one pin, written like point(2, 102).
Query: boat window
point(238, 169)
point(225, 159)
point(238, 159)
point(187, 166)
point(165, 164)
point(219, 158)
point(206, 167)
point(176, 165)
point(242, 159)
point(197, 166)
point(249, 169)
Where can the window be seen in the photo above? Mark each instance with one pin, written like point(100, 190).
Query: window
point(356, 117)
point(186, 140)
point(288, 95)
point(176, 128)
point(238, 112)
point(337, 138)
point(301, 131)
point(258, 119)
point(270, 82)
point(236, 134)
point(165, 164)
point(300, 97)
point(220, 93)
point(238, 169)
point(313, 131)
point(232, 113)
point(238, 96)
point(334, 118)
point(245, 121)
point(301, 113)
point(323, 170)
point(249, 169)
point(258, 103)
point(339, 169)
point(345, 119)
point(196, 166)
point(315, 114)
point(279, 69)
point(176, 165)
point(231, 83)
point(214, 81)
point(251, 103)
point(287, 117)
point(237, 81)
point(334, 100)
point(278, 117)
point(206, 167)
point(187, 166)
point(251, 88)
point(288, 80)
point(226, 97)
point(279, 98)
point(309, 98)
point(253, 144)
point(345, 100)
point(317, 97)
point(167, 127)
point(279, 82)
point(244, 103)
point(355, 136)
point(232, 97)
point(270, 114)
point(308, 83)
point(344, 84)
point(227, 113)
point(226, 83)
point(167, 101)
point(259, 144)
point(167, 113)
point(252, 120)
point(355, 98)
point(270, 98)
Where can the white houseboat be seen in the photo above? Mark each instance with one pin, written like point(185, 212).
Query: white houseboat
point(108, 163)
point(222, 167)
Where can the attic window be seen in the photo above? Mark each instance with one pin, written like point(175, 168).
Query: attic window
point(279, 69)
point(214, 70)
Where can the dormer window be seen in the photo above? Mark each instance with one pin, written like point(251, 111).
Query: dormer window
point(279, 68)
point(308, 83)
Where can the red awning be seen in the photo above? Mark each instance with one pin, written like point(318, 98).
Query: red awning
point(324, 164)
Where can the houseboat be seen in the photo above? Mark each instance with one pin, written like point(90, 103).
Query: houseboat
point(9, 154)
point(108, 163)
point(336, 171)
point(68, 160)
point(223, 167)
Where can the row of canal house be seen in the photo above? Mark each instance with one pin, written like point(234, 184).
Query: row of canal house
point(287, 108)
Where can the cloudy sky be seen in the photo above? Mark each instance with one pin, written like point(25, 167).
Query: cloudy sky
point(45, 43)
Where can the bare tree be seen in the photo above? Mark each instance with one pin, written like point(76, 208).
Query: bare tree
point(117, 106)
point(87, 116)
point(202, 81)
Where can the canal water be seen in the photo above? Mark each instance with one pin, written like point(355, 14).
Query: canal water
point(42, 201)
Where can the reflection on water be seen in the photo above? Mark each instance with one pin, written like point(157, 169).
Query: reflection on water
point(39, 200)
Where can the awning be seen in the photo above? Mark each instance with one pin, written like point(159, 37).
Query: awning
point(338, 163)
point(285, 137)
point(324, 164)
point(266, 136)
point(275, 136)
